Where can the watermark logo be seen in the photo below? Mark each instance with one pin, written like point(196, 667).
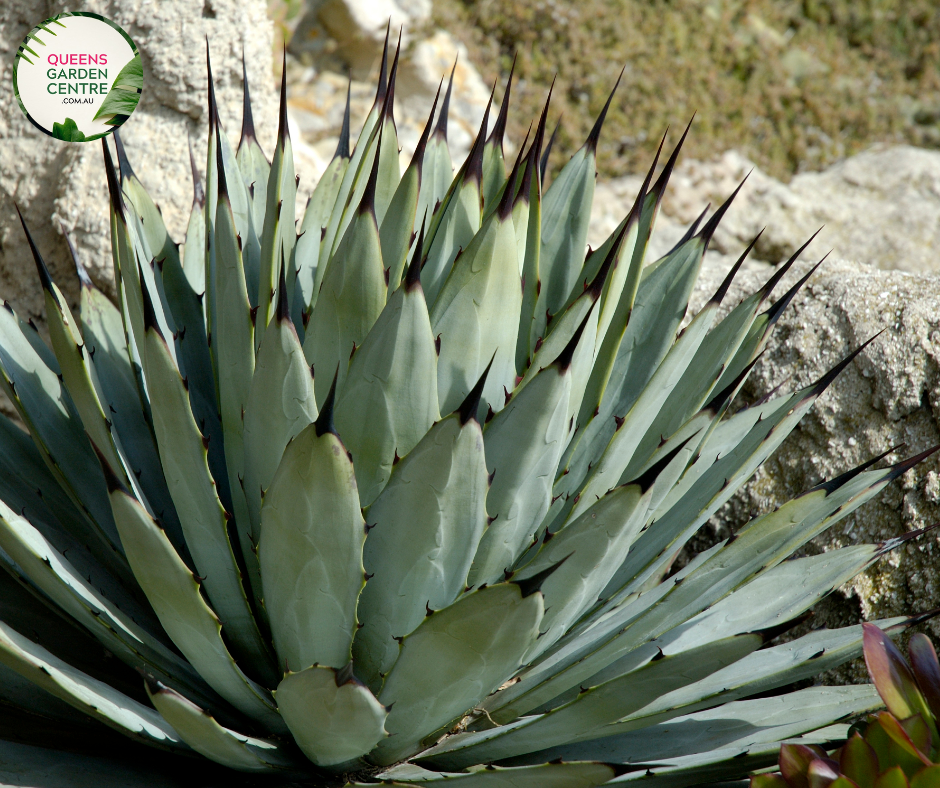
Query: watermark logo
point(77, 76)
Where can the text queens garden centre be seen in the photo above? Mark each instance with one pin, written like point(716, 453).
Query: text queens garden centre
point(89, 78)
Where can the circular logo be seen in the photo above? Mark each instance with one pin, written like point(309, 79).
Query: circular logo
point(77, 76)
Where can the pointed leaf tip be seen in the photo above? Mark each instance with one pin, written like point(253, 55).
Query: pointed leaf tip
point(388, 104)
point(248, 122)
point(776, 309)
point(150, 317)
point(597, 283)
point(711, 225)
point(324, 422)
point(543, 162)
point(531, 585)
point(123, 163)
point(595, 135)
point(382, 86)
point(499, 129)
point(690, 232)
point(825, 380)
point(220, 165)
point(637, 208)
point(717, 402)
point(892, 544)
point(723, 288)
point(368, 196)
point(836, 482)
point(283, 307)
point(199, 195)
point(473, 166)
point(535, 152)
point(659, 189)
point(905, 465)
point(83, 277)
point(508, 199)
point(526, 184)
point(441, 130)
point(114, 188)
point(471, 404)
point(920, 618)
point(342, 146)
point(413, 275)
point(648, 478)
point(41, 268)
point(563, 362)
point(782, 270)
point(214, 119)
point(283, 132)
point(418, 159)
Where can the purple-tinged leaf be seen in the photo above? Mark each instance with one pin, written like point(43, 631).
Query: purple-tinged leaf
point(919, 733)
point(892, 726)
point(926, 671)
point(859, 762)
point(893, 746)
point(821, 773)
point(794, 763)
point(891, 675)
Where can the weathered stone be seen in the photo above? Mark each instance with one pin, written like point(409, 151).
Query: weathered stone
point(881, 207)
point(357, 28)
point(428, 61)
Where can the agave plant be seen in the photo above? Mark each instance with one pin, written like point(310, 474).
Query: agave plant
point(897, 748)
point(397, 496)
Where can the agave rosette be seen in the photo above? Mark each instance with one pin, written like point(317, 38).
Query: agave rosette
point(395, 496)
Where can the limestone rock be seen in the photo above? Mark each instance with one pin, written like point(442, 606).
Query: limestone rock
point(357, 28)
point(428, 61)
point(881, 207)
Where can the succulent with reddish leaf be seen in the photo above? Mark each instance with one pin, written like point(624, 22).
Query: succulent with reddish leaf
point(897, 748)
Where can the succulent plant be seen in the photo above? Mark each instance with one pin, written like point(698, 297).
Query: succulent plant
point(397, 497)
point(897, 748)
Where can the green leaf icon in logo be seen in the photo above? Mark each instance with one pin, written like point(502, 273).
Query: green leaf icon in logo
point(124, 94)
point(68, 130)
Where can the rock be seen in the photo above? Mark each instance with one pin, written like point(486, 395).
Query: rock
point(427, 62)
point(881, 207)
point(357, 28)
point(889, 395)
point(55, 181)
